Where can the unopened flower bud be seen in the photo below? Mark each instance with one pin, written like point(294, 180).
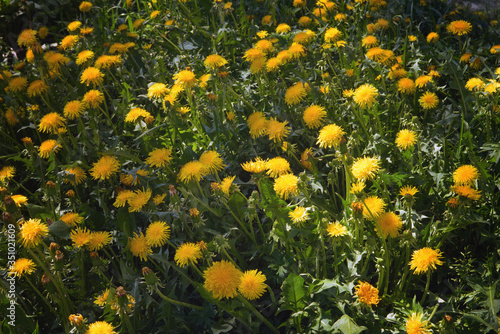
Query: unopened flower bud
point(53, 246)
point(45, 279)
point(59, 255)
point(76, 319)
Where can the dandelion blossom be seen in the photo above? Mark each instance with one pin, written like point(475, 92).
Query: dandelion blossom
point(69, 42)
point(185, 79)
point(406, 86)
point(72, 218)
point(467, 192)
point(277, 166)
point(406, 139)
point(139, 246)
point(369, 41)
point(27, 38)
point(432, 37)
point(257, 124)
point(425, 259)
point(22, 266)
point(84, 56)
point(367, 294)
point(93, 98)
point(80, 237)
point(390, 224)
point(332, 35)
point(365, 95)
point(139, 199)
point(225, 184)
point(408, 191)
point(286, 185)
point(257, 166)
point(159, 157)
point(465, 174)
point(122, 198)
point(277, 130)
point(282, 28)
point(73, 109)
point(18, 84)
point(37, 87)
point(51, 122)
point(48, 147)
point(192, 171)
point(137, 113)
point(105, 168)
point(365, 168)
point(7, 172)
point(215, 61)
point(92, 76)
point(295, 94)
point(212, 162)
point(416, 325)
point(157, 90)
point(85, 6)
point(428, 100)
point(459, 27)
point(187, 253)
point(98, 240)
point(296, 50)
point(336, 230)
point(222, 279)
point(373, 207)
point(100, 327)
point(474, 84)
point(157, 233)
point(330, 136)
point(313, 116)
point(32, 232)
point(252, 284)
point(298, 215)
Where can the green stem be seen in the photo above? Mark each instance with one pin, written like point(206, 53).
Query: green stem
point(426, 290)
point(41, 296)
point(257, 314)
point(177, 302)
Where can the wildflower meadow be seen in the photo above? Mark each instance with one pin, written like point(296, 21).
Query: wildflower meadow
point(255, 166)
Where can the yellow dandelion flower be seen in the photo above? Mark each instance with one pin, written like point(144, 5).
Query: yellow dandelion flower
point(367, 294)
point(299, 215)
point(459, 27)
point(214, 61)
point(157, 233)
point(21, 267)
point(48, 147)
point(313, 116)
point(73, 109)
point(373, 207)
point(257, 124)
point(122, 198)
point(85, 6)
point(277, 130)
point(187, 253)
point(332, 35)
point(192, 171)
point(139, 199)
point(277, 166)
point(84, 56)
point(252, 284)
point(254, 54)
point(86, 30)
point(72, 26)
point(80, 237)
point(18, 84)
point(19, 199)
point(51, 123)
point(286, 185)
point(365, 168)
point(408, 191)
point(136, 114)
point(467, 192)
point(157, 91)
point(106, 61)
point(102, 299)
point(304, 159)
point(27, 38)
point(465, 174)
point(283, 28)
point(358, 187)
point(69, 42)
point(32, 232)
point(7, 172)
point(336, 230)
point(159, 157)
point(98, 240)
point(212, 162)
point(258, 65)
point(330, 136)
point(194, 212)
point(425, 259)
point(304, 21)
point(37, 87)
point(390, 224)
point(295, 93)
point(105, 168)
point(186, 79)
point(406, 86)
point(92, 76)
point(405, 139)
point(225, 184)
point(369, 41)
point(72, 218)
point(99, 327)
point(432, 37)
point(365, 95)
point(139, 246)
point(93, 98)
point(158, 199)
point(257, 166)
point(222, 279)
point(428, 100)
point(296, 50)
point(304, 37)
point(273, 64)
point(416, 325)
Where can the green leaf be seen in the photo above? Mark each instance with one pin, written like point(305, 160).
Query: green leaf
point(293, 292)
point(60, 229)
point(347, 326)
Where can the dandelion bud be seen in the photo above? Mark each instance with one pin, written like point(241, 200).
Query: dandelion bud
point(194, 212)
point(120, 291)
point(7, 218)
point(94, 255)
point(202, 245)
point(171, 190)
point(357, 209)
point(76, 319)
point(70, 193)
point(149, 276)
point(9, 202)
point(53, 246)
point(45, 279)
point(59, 255)
point(50, 184)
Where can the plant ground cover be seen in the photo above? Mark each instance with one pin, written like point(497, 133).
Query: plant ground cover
point(252, 166)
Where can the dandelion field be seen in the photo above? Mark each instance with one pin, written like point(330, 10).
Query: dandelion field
point(251, 166)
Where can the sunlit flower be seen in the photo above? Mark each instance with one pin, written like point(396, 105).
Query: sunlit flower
point(212, 162)
point(406, 86)
point(257, 124)
point(19, 200)
point(47, 147)
point(51, 122)
point(406, 139)
point(304, 21)
point(282, 28)
point(257, 166)
point(22, 266)
point(467, 192)
point(27, 38)
point(72, 218)
point(187, 253)
point(459, 27)
point(373, 207)
point(286, 185)
point(416, 325)
point(69, 42)
point(304, 37)
point(80, 237)
point(159, 157)
point(277, 130)
point(390, 224)
point(408, 191)
point(252, 284)
point(18, 84)
point(425, 259)
point(11, 117)
point(313, 116)
point(298, 215)
point(93, 98)
point(273, 64)
point(332, 35)
point(336, 230)
point(254, 54)
point(465, 174)
point(194, 212)
point(226, 183)
point(72, 26)
point(296, 50)
point(92, 76)
point(214, 61)
point(139, 246)
point(369, 41)
point(365, 168)
point(106, 61)
point(7, 172)
point(475, 84)
point(365, 95)
point(192, 171)
point(84, 56)
point(304, 159)
point(157, 233)
point(85, 6)
point(258, 65)
point(157, 90)
point(367, 294)
point(295, 93)
point(428, 100)
point(185, 78)
point(382, 24)
point(99, 327)
point(105, 168)
point(139, 199)
point(32, 231)
point(432, 37)
point(86, 30)
point(122, 198)
point(37, 87)
point(98, 240)
point(277, 166)
point(222, 279)
point(330, 136)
